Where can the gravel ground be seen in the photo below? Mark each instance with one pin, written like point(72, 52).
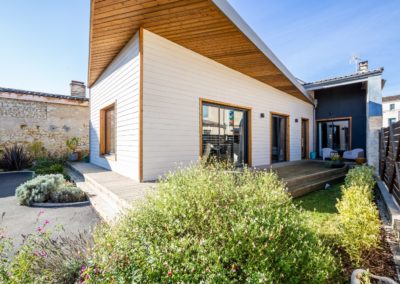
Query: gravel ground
point(17, 220)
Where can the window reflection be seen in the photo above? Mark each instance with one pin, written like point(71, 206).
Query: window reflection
point(224, 134)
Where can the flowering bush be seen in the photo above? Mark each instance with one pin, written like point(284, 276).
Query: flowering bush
point(208, 225)
point(44, 257)
point(359, 225)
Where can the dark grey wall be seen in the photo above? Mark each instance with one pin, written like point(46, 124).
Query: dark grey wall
point(345, 101)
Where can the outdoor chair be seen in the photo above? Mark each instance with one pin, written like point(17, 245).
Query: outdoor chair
point(353, 154)
point(326, 153)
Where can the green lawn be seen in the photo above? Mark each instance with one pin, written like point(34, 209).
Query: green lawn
point(319, 208)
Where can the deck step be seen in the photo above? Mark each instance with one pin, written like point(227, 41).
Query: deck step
point(322, 175)
point(315, 184)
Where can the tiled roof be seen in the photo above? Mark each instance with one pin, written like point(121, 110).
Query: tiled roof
point(56, 96)
point(351, 77)
point(391, 98)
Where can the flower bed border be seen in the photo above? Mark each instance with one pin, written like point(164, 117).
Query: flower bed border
point(59, 204)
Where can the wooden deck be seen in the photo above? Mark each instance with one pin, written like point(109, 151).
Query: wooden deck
point(111, 193)
point(306, 176)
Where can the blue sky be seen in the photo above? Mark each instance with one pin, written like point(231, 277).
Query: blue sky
point(44, 43)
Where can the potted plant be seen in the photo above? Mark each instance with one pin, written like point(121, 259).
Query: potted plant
point(72, 144)
point(335, 162)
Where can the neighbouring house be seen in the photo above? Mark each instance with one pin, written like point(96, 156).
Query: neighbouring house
point(27, 116)
point(391, 110)
point(348, 112)
point(173, 81)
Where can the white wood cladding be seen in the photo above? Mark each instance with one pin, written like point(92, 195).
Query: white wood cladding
point(175, 78)
point(119, 83)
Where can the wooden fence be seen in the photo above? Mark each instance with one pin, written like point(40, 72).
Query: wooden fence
point(389, 158)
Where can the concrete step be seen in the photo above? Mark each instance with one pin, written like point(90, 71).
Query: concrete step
point(107, 206)
point(307, 187)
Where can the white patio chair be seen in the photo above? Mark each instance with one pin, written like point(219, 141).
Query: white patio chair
point(326, 153)
point(353, 154)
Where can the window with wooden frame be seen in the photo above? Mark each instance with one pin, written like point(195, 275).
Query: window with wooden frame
point(107, 131)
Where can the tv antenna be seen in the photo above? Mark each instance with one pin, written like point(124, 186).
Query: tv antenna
point(355, 59)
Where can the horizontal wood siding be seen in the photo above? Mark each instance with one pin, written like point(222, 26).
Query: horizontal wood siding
point(175, 78)
point(119, 84)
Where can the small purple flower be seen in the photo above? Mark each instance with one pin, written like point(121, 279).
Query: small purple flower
point(39, 229)
point(43, 253)
point(83, 268)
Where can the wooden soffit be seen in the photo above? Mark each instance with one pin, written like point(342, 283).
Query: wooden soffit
point(209, 27)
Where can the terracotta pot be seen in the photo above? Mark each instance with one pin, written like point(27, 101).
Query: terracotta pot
point(360, 161)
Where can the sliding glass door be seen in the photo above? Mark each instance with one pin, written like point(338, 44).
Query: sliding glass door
point(334, 134)
point(225, 133)
point(279, 138)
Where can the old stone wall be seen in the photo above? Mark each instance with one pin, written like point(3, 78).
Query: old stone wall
point(23, 121)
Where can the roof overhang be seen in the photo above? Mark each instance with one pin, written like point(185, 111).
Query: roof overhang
point(211, 28)
point(344, 80)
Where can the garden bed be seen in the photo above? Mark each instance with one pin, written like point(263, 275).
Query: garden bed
point(51, 188)
point(320, 209)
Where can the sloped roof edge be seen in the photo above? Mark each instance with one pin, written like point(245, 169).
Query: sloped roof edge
point(391, 98)
point(231, 14)
point(41, 94)
point(356, 77)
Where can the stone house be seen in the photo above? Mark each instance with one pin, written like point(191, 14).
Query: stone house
point(27, 116)
point(391, 110)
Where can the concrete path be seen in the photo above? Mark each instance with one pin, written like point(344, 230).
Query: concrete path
point(19, 220)
point(110, 193)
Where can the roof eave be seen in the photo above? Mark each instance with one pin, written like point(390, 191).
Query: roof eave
point(342, 81)
point(232, 15)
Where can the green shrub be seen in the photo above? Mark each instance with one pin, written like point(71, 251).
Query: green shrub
point(67, 194)
point(38, 189)
point(359, 225)
point(361, 176)
point(51, 169)
point(44, 166)
point(207, 225)
point(37, 149)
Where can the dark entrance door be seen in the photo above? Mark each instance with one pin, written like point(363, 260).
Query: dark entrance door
point(304, 138)
point(279, 138)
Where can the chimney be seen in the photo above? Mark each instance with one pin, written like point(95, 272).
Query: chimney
point(78, 89)
point(363, 66)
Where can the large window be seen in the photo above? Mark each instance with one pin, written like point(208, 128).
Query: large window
point(391, 120)
point(334, 134)
point(107, 131)
point(225, 133)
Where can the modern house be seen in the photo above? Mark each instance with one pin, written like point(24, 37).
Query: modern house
point(172, 82)
point(391, 110)
point(348, 112)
